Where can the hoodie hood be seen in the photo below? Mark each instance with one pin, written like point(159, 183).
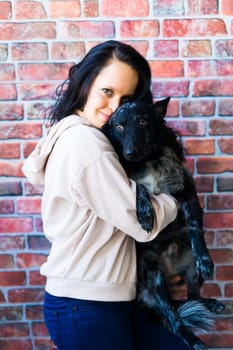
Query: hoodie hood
point(34, 166)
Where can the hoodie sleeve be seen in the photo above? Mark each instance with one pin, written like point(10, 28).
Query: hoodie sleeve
point(105, 188)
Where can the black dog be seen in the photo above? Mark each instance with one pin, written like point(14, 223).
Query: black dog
point(152, 155)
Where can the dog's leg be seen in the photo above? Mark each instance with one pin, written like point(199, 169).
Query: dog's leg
point(155, 294)
point(193, 215)
point(145, 210)
point(194, 283)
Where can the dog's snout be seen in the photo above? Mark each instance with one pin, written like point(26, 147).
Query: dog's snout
point(131, 153)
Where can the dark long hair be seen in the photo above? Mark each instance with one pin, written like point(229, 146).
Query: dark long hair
point(72, 93)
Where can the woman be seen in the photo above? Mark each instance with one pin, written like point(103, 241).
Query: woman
point(89, 210)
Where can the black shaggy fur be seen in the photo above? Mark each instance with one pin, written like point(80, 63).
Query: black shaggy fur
point(152, 155)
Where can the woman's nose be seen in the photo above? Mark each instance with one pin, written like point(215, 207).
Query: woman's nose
point(114, 104)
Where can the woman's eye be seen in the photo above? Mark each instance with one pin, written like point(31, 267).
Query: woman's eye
point(107, 92)
point(120, 127)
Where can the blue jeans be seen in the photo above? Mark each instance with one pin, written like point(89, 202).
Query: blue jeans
point(75, 324)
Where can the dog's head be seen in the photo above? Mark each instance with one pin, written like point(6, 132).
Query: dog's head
point(136, 129)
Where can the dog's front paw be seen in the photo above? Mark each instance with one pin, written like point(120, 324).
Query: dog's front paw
point(145, 210)
point(205, 266)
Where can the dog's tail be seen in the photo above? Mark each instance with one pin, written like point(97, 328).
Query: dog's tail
point(195, 316)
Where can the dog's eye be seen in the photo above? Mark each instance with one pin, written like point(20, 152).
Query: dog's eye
point(120, 127)
point(142, 123)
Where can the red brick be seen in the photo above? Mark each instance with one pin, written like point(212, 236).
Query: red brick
point(44, 344)
point(38, 110)
point(141, 46)
point(29, 10)
point(8, 92)
point(6, 261)
point(64, 9)
point(36, 279)
point(86, 29)
point(139, 29)
point(224, 324)
point(3, 51)
point(10, 150)
point(90, 8)
point(10, 188)
point(39, 329)
point(15, 225)
point(13, 278)
point(226, 145)
point(202, 7)
point(39, 225)
point(19, 344)
point(220, 202)
point(26, 295)
point(28, 148)
point(29, 51)
point(224, 238)
point(26, 260)
point(196, 48)
point(191, 108)
point(8, 330)
point(11, 169)
point(34, 312)
point(170, 88)
point(226, 106)
point(224, 273)
point(204, 183)
point(193, 27)
point(38, 243)
point(210, 290)
point(225, 183)
point(199, 146)
point(221, 127)
point(67, 50)
point(167, 69)
point(165, 48)
point(122, 8)
point(218, 220)
point(168, 8)
point(11, 313)
point(12, 243)
point(21, 130)
point(7, 71)
point(7, 206)
point(28, 206)
point(229, 290)
point(222, 256)
point(213, 87)
point(11, 111)
point(37, 91)
point(214, 164)
point(27, 31)
point(224, 47)
point(32, 189)
point(227, 7)
point(44, 71)
point(188, 127)
point(2, 297)
point(210, 68)
point(5, 10)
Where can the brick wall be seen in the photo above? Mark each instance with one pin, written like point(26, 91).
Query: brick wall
point(189, 45)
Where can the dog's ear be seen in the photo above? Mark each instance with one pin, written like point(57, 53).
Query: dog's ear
point(160, 107)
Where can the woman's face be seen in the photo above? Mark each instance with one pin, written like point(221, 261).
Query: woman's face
point(115, 84)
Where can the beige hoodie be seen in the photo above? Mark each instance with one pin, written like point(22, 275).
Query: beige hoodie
point(89, 213)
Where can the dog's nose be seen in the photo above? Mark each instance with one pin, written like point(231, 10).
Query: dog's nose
point(131, 153)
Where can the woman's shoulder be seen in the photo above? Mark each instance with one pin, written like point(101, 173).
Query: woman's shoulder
point(83, 136)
